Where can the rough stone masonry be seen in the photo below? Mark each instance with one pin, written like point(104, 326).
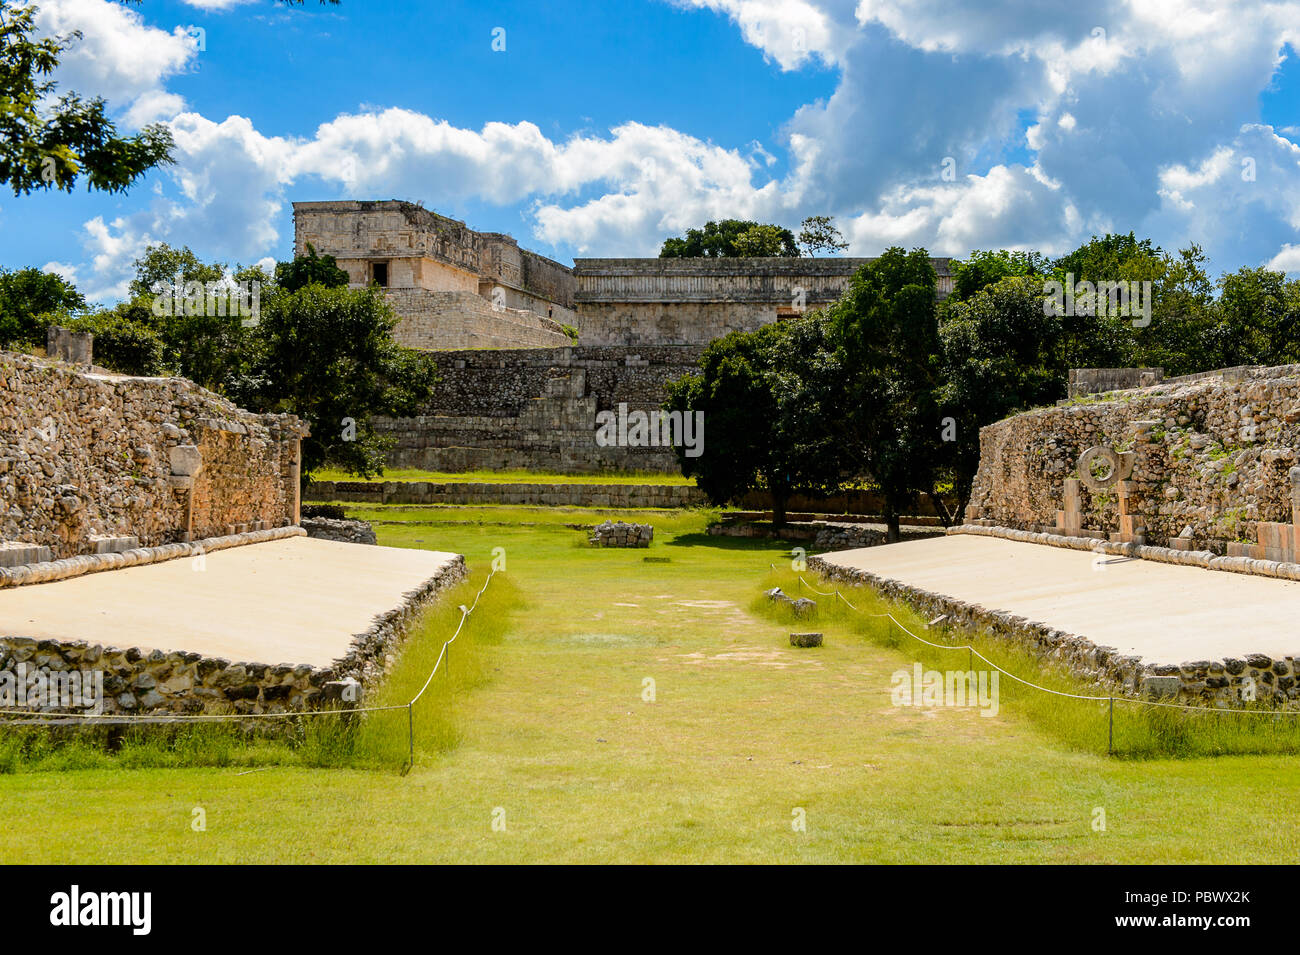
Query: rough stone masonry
point(1209, 463)
point(91, 463)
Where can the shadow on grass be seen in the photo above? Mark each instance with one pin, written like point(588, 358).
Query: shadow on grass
point(723, 542)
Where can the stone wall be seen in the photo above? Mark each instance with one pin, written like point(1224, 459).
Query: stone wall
point(693, 301)
point(536, 409)
point(87, 457)
point(465, 320)
point(621, 534)
point(1207, 461)
point(1092, 381)
point(535, 495)
point(347, 530)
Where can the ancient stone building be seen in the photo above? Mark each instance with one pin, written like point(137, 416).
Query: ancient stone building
point(693, 301)
point(513, 392)
point(1202, 462)
point(93, 463)
point(451, 286)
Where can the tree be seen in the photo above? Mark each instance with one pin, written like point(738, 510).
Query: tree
point(30, 299)
point(309, 268)
point(327, 355)
point(190, 309)
point(718, 240)
point(999, 352)
point(44, 145)
point(1258, 319)
point(818, 234)
point(885, 333)
point(984, 267)
point(761, 241)
point(767, 399)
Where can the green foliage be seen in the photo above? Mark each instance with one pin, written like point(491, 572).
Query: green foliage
point(327, 355)
point(310, 268)
point(885, 334)
point(768, 400)
point(983, 268)
point(729, 238)
point(51, 144)
point(30, 299)
point(124, 341)
point(998, 351)
point(818, 234)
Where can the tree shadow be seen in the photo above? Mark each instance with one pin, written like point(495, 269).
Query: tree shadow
point(724, 542)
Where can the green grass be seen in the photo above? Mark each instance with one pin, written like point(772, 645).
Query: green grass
point(545, 720)
point(506, 477)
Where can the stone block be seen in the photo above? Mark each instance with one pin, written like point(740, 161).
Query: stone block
point(805, 639)
point(17, 553)
point(1160, 687)
point(185, 460)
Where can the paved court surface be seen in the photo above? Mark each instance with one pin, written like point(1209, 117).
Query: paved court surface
point(298, 600)
point(1161, 612)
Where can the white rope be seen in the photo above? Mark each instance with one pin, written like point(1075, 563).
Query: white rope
point(464, 615)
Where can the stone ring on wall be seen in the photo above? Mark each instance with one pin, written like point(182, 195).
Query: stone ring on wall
point(1117, 467)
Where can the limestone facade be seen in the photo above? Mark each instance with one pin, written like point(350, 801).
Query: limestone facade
point(693, 301)
point(452, 287)
point(536, 409)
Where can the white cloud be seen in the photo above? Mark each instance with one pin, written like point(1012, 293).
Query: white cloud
point(1287, 260)
point(119, 56)
point(791, 32)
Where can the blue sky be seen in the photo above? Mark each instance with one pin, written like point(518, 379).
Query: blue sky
point(603, 127)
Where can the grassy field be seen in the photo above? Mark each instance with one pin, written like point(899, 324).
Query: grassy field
point(506, 477)
point(547, 727)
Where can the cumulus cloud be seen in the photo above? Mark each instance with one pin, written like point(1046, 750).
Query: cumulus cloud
point(119, 56)
point(791, 32)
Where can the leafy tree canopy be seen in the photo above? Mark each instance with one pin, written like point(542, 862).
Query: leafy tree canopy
point(818, 234)
point(46, 145)
point(729, 238)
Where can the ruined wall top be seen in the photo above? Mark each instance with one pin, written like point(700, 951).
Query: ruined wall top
point(394, 229)
point(771, 280)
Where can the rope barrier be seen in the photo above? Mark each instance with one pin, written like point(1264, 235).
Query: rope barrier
point(1110, 700)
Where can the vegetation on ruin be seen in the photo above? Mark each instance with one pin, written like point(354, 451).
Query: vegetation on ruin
point(551, 727)
point(731, 238)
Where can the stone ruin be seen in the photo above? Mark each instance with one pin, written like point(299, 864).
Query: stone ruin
point(1203, 463)
point(620, 534)
point(95, 463)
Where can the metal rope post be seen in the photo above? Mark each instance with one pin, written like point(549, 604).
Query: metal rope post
point(1110, 730)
